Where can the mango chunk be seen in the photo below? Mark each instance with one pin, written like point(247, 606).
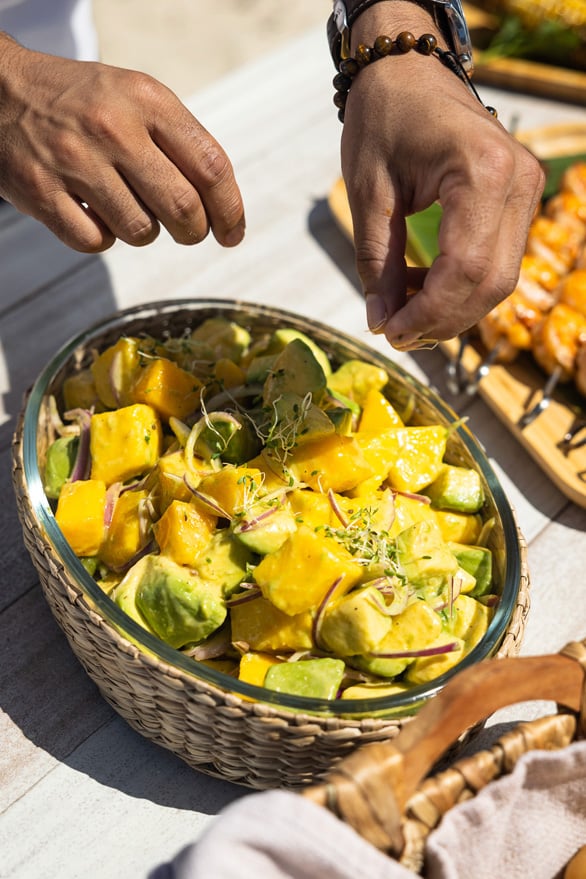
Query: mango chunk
point(114, 370)
point(254, 667)
point(459, 527)
point(79, 391)
point(124, 443)
point(125, 535)
point(80, 515)
point(170, 390)
point(298, 576)
point(409, 457)
point(170, 474)
point(265, 628)
point(233, 489)
point(334, 462)
point(183, 532)
point(378, 413)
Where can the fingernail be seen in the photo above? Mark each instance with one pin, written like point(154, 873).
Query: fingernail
point(376, 312)
point(235, 235)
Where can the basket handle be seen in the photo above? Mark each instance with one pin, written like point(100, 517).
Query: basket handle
point(370, 788)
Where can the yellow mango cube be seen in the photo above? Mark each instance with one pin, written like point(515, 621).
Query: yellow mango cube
point(334, 462)
point(124, 536)
point(378, 413)
point(468, 620)
point(300, 573)
point(124, 443)
point(170, 471)
point(427, 668)
point(170, 390)
point(183, 532)
point(409, 511)
point(254, 666)
point(409, 457)
point(113, 371)
point(228, 373)
point(80, 515)
point(79, 391)
point(233, 489)
point(265, 628)
point(459, 527)
point(310, 507)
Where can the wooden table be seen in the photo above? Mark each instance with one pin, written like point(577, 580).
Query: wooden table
point(80, 792)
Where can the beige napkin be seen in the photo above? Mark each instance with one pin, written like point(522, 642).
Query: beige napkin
point(524, 826)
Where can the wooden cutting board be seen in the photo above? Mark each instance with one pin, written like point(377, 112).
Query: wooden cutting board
point(512, 389)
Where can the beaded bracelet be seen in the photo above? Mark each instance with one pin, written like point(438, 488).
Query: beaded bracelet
point(384, 46)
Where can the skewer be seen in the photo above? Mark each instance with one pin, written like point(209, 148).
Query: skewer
point(476, 377)
point(569, 442)
point(544, 400)
point(456, 374)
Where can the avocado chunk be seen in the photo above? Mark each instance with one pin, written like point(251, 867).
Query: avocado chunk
point(355, 378)
point(317, 678)
point(266, 528)
point(457, 488)
point(225, 337)
point(227, 441)
point(296, 370)
point(355, 623)
point(477, 561)
point(294, 420)
point(176, 603)
point(224, 565)
point(281, 338)
point(422, 553)
point(59, 465)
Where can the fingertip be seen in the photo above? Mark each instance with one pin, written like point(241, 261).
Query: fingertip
point(233, 236)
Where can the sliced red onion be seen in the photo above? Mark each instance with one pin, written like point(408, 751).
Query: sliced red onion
point(414, 496)
point(249, 595)
point(215, 646)
point(490, 600)
point(233, 394)
point(438, 650)
point(116, 376)
point(338, 512)
point(81, 467)
point(250, 524)
point(380, 605)
point(112, 494)
point(317, 621)
point(145, 550)
point(208, 501)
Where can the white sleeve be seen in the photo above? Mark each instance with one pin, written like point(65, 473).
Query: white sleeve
point(61, 27)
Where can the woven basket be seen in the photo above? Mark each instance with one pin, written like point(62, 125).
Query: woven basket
point(218, 732)
point(382, 790)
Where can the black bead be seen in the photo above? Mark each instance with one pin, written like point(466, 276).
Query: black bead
point(405, 41)
point(340, 99)
point(349, 67)
point(341, 115)
point(363, 55)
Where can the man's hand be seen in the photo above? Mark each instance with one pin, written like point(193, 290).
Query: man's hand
point(414, 134)
point(98, 153)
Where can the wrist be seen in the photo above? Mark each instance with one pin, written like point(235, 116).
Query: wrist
point(391, 18)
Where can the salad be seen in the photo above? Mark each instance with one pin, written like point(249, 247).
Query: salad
point(270, 513)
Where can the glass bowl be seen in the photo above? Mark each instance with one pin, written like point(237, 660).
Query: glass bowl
point(215, 722)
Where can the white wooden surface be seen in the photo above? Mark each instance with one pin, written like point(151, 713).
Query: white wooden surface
point(80, 793)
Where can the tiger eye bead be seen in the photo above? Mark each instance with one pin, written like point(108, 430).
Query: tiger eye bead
point(383, 45)
point(426, 44)
point(340, 99)
point(405, 41)
point(349, 67)
point(341, 82)
point(363, 55)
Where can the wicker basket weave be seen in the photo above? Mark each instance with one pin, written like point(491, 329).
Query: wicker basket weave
point(216, 732)
point(382, 790)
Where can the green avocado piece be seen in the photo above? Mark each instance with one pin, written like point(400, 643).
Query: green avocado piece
point(355, 623)
point(124, 594)
point(225, 337)
point(296, 371)
point(295, 420)
point(224, 566)
point(59, 465)
point(423, 555)
point(265, 528)
point(477, 561)
point(259, 368)
point(317, 678)
point(233, 445)
point(176, 603)
point(281, 338)
point(457, 488)
point(355, 378)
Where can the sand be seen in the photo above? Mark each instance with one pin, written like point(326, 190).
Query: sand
point(189, 43)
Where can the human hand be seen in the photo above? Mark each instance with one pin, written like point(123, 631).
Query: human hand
point(98, 153)
point(414, 134)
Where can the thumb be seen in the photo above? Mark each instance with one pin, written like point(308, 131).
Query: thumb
point(379, 241)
